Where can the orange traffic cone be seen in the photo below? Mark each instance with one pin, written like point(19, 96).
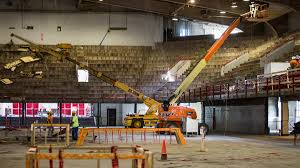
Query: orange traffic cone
point(164, 151)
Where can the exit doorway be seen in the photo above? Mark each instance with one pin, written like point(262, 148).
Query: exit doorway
point(111, 117)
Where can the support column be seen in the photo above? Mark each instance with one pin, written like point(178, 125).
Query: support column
point(23, 112)
point(267, 129)
point(203, 114)
point(135, 108)
point(98, 114)
point(285, 118)
point(60, 111)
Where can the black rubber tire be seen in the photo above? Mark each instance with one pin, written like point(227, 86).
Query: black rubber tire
point(137, 123)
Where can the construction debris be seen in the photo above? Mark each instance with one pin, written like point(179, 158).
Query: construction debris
point(32, 74)
point(13, 65)
point(6, 81)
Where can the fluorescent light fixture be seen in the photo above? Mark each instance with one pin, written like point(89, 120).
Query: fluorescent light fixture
point(234, 5)
point(100, 0)
point(246, 0)
point(192, 1)
point(175, 19)
point(222, 12)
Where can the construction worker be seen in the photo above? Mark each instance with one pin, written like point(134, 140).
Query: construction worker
point(294, 63)
point(75, 125)
point(50, 121)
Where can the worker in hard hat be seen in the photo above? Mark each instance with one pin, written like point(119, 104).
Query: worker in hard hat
point(75, 125)
point(295, 62)
point(50, 121)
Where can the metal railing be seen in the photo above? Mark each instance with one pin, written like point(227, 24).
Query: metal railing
point(275, 84)
point(130, 136)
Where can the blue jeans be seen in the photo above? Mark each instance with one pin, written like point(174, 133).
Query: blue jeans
point(74, 133)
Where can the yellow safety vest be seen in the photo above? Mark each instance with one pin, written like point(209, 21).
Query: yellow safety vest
point(75, 122)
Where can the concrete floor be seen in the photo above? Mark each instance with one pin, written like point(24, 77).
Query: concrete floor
point(222, 151)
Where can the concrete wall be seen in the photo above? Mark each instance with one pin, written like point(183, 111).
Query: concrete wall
point(105, 106)
point(122, 109)
point(84, 28)
point(238, 119)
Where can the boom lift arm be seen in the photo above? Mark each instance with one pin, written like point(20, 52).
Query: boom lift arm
point(203, 62)
point(151, 103)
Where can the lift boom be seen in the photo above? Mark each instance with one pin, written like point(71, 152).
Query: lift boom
point(213, 49)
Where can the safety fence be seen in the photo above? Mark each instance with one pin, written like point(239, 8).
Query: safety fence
point(15, 122)
point(130, 136)
point(50, 134)
point(274, 84)
point(133, 157)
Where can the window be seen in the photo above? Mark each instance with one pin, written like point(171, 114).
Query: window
point(66, 109)
point(44, 108)
point(32, 109)
point(10, 109)
point(17, 109)
point(83, 75)
point(81, 109)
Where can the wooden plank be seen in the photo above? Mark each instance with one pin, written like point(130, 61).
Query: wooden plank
point(84, 156)
point(148, 159)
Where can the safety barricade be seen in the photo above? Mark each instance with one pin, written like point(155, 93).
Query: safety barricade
point(50, 134)
point(134, 157)
point(130, 135)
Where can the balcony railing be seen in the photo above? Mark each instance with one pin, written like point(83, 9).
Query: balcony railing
point(274, 84)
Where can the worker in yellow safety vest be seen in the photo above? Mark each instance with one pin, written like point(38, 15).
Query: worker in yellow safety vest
point(75, 125)
point(50, 121)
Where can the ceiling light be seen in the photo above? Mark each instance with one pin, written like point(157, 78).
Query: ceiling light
point(192, 1)
point(100, 0)
point(246, 0)
point(222, 12)
point(175, 19)
point(234, 5)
